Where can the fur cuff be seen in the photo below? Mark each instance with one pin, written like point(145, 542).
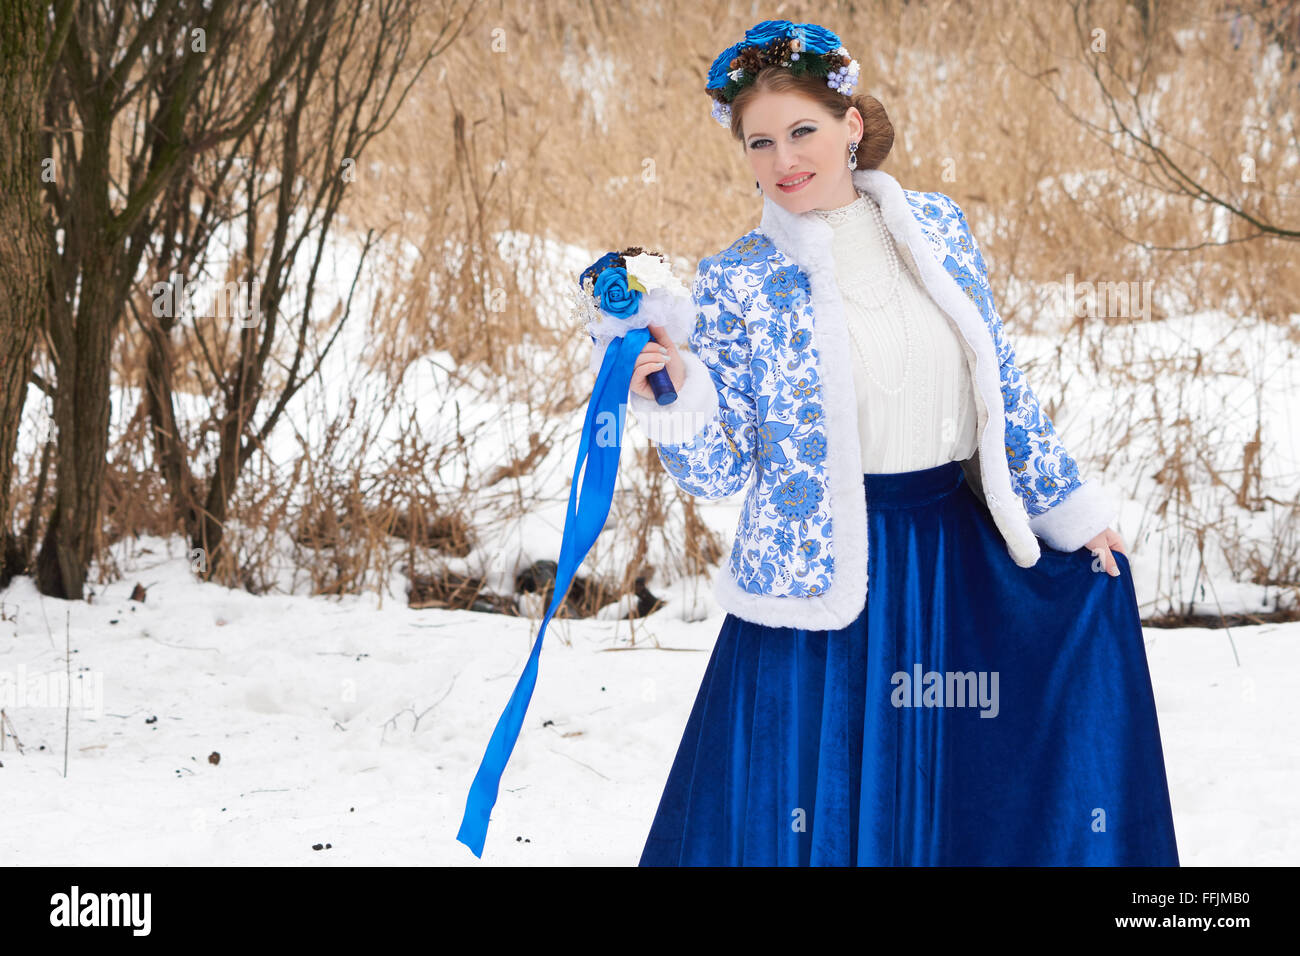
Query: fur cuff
point(683, 419)
point(1086, 512)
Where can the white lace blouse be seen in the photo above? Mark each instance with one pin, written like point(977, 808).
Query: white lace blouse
point(916, 406)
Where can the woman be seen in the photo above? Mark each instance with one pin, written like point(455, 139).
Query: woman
point(983, 700)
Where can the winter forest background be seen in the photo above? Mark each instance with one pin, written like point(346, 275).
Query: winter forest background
point(290, 396)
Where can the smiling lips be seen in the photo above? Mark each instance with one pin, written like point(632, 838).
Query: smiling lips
point(795, 183)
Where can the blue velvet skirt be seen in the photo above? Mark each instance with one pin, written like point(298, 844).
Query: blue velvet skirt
point(976, 713)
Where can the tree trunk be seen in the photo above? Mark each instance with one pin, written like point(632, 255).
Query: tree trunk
point(23, 253)
point(81, 411)
point(170, 452)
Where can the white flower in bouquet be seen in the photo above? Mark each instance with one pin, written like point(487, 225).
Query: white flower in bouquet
point(652, 272)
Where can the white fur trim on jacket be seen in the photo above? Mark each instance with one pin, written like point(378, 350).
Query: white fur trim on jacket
point(680, 420)
point(1086, 512)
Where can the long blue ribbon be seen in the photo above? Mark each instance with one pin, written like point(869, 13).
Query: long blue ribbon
point(588, 509)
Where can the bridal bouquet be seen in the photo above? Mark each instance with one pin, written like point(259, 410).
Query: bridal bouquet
point(632, 289)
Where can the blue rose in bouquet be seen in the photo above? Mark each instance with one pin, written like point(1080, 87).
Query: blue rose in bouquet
point(614, 294)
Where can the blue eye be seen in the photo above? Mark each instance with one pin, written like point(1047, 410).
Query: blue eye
point(756, 143)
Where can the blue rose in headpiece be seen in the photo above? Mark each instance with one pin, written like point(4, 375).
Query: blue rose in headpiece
point(721, 66)
point(596, 267)
point(761, 34)
point(614, 295)
point(817, 39)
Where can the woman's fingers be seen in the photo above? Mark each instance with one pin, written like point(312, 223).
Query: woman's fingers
point(661, 338)
point(1106, 561)
point(650, 360)
point(653, 354)
point(658, 353)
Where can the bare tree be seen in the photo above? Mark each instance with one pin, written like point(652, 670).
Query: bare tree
point(124, 115)
point(280, 186)
point(1128, 65)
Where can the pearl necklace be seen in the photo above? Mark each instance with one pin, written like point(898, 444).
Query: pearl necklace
point(895, 292)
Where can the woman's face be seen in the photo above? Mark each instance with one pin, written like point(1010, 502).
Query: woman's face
point(792, 140)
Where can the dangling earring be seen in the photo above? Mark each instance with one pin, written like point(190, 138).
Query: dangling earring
point(758, 190)
point(853, 155)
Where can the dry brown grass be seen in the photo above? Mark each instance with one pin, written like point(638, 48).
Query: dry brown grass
point(585, 123)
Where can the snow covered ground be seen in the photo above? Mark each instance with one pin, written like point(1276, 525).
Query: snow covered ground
point(343, 723)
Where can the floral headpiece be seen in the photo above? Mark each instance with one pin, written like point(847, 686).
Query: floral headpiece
point(802, 48)
point(629, 290)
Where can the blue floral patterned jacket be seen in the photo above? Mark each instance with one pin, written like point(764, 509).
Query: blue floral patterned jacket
point(769, 392)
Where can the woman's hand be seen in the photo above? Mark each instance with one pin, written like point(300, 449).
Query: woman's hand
point(658, 352)
point(1102, 545)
